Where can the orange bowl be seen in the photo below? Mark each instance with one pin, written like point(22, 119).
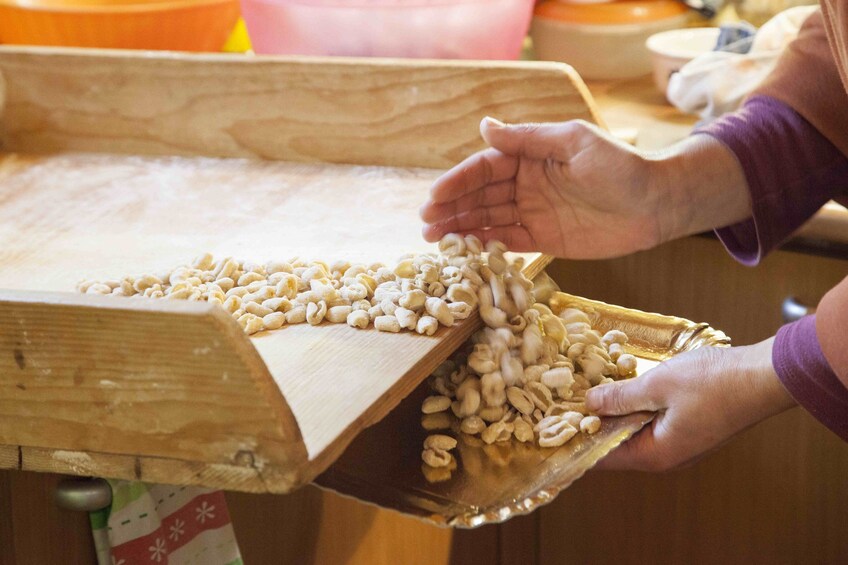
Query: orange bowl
point(610, 13)
point(179, 25)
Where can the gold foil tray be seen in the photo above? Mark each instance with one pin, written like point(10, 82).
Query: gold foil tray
point(492, 483)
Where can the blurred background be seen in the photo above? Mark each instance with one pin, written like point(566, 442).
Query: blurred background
point(602, 39)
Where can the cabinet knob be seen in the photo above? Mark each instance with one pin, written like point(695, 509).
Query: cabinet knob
point(793, 310)
point(83, 495)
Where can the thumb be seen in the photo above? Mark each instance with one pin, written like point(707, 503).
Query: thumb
point(623, 397)
point(557, 141)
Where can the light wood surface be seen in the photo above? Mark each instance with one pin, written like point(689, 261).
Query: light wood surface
point(634, 108)
point(173, 380)
point(367, 111)
point(771, 495)
point(67, 215)
point(10, 457)
point(829, 225)
point(335, 379)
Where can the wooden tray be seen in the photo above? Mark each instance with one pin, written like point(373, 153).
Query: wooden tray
point(116, 163)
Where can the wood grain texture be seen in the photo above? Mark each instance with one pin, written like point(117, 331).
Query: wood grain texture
point(68, 215)
point(772, 494)
point(10, 457)
point(695, 278)
point(336, 380)
point(174, 380)
point(387, 112)
point(322, 528)
point(34, 530)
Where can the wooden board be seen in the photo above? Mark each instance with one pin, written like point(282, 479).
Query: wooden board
point(133, 206)
point(332, 110)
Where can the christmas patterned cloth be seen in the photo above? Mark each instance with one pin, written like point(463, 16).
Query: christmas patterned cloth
point(164, 525)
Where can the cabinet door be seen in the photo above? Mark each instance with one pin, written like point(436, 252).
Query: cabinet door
point(316, 527)
point(696, 279)
point(775, 494)
point(33, 530)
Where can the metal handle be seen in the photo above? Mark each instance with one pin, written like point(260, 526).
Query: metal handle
point(83, 495)
point(792, 310)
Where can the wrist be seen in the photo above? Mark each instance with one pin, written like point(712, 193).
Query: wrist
point(700, 186)
point(767, 395)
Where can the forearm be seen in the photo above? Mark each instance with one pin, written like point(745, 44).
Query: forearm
point(754, 176)
point(701, 186)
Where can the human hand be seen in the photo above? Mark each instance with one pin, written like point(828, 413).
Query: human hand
point(702, 398)
point(572, 190)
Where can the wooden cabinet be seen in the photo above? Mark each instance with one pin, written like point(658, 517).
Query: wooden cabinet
point(775, 494)
point(319, 527)
point(33, 530)
point(695, 278)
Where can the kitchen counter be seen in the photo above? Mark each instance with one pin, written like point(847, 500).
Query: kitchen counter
point(634, 109)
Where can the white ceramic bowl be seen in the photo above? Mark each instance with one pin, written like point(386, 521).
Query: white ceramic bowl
point(670, 50)
point(599, 51)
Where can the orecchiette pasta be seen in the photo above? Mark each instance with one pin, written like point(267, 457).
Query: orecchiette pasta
point(528, 365)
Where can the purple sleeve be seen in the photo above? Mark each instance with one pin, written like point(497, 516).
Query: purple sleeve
point(804, 371)
point(791, 168)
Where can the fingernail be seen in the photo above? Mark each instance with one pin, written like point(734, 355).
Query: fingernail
point(494, 122)
point(593, 400)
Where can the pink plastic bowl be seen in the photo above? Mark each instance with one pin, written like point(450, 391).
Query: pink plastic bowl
point(446, 29)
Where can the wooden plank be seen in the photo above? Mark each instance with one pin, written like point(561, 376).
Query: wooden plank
point(57, 212)
point(244, 477)
point(10, 457)
point(80, 463)
point(136, 377)
point(386, 112)
point(68, 215)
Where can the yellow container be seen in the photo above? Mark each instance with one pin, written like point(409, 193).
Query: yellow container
point(180, 25)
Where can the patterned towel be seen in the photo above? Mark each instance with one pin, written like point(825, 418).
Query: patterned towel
point(159, 524)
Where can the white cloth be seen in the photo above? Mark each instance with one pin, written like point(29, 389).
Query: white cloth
point(716, 83)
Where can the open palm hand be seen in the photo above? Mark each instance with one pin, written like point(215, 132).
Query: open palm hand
point(565, 189)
